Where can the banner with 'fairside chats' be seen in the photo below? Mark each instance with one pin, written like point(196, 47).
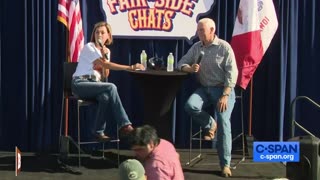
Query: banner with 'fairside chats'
point(155, 18)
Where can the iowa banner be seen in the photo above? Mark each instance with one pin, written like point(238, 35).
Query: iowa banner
point(255, 26)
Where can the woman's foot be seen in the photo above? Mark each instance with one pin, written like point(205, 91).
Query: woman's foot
point(226, 172)
point(125, 130)
point(102, 137)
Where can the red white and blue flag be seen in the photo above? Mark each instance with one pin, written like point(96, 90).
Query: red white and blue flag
point(70, 15)
point(255, 26)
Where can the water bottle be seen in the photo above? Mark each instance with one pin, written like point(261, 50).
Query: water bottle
point(170, 61)
point(143, 59)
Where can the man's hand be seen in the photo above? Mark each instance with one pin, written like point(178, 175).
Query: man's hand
point(222, 103)
point(195, 67)
point(191, 69)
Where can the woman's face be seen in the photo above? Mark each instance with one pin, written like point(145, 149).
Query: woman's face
point(101, 33)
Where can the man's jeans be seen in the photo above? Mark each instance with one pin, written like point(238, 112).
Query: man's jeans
point(204, 97)
point(108, 101)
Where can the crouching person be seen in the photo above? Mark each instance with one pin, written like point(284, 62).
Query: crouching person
point(158, 156)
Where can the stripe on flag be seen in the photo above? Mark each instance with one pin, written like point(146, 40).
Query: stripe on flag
point(255, 26)
point(70, 15)
point(18, 161)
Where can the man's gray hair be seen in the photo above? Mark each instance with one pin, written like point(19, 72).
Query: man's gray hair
point(208, 21)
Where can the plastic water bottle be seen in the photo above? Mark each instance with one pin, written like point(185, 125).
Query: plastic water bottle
point(143, 59)
point(170, 62)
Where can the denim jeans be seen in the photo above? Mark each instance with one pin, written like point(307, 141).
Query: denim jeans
point(108, 100)
point(204, 97)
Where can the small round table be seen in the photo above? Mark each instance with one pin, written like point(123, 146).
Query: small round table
point(159, 89)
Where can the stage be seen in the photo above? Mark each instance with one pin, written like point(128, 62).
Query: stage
point(48, 166)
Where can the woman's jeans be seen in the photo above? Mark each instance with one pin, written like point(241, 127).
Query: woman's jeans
point(108, 99)
point(204, 97)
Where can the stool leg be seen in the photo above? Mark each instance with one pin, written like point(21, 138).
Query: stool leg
point(242, 134)
point(190, 142)
point(200, 142)
point(79, 154)
point(118, 146)
point(103, 150)
point(193, 137)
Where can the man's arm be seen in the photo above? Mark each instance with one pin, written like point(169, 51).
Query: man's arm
point(190, 69)
point(231, 69)
point(186, 62)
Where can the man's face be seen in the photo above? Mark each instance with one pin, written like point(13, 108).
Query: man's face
point(205, 33)
point(142, 152)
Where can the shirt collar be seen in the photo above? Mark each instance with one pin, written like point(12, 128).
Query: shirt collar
point(214, 42)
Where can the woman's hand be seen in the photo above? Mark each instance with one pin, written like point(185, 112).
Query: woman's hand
point(104, 50)
point(97, 67)
point(138, 66)
point(98, 63)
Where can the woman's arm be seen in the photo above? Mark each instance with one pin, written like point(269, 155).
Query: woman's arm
point(117, 67)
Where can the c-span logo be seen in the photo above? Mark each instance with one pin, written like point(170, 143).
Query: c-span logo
point(276, 151)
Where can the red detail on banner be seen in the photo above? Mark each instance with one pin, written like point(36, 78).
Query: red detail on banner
point(248, 51)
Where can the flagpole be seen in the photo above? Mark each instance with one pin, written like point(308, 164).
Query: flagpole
point(250, 109)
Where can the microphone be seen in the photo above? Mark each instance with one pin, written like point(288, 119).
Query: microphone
point(200, 57)
point(101, 45)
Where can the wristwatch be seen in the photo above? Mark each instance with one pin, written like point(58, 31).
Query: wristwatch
point(225, 94)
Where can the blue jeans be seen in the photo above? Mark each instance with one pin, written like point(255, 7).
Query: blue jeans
point(204, 97)
point(108, 100)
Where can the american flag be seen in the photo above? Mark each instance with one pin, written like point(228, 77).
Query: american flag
point(70, 15)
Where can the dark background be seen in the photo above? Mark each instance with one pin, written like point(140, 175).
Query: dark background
point(33, 49)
